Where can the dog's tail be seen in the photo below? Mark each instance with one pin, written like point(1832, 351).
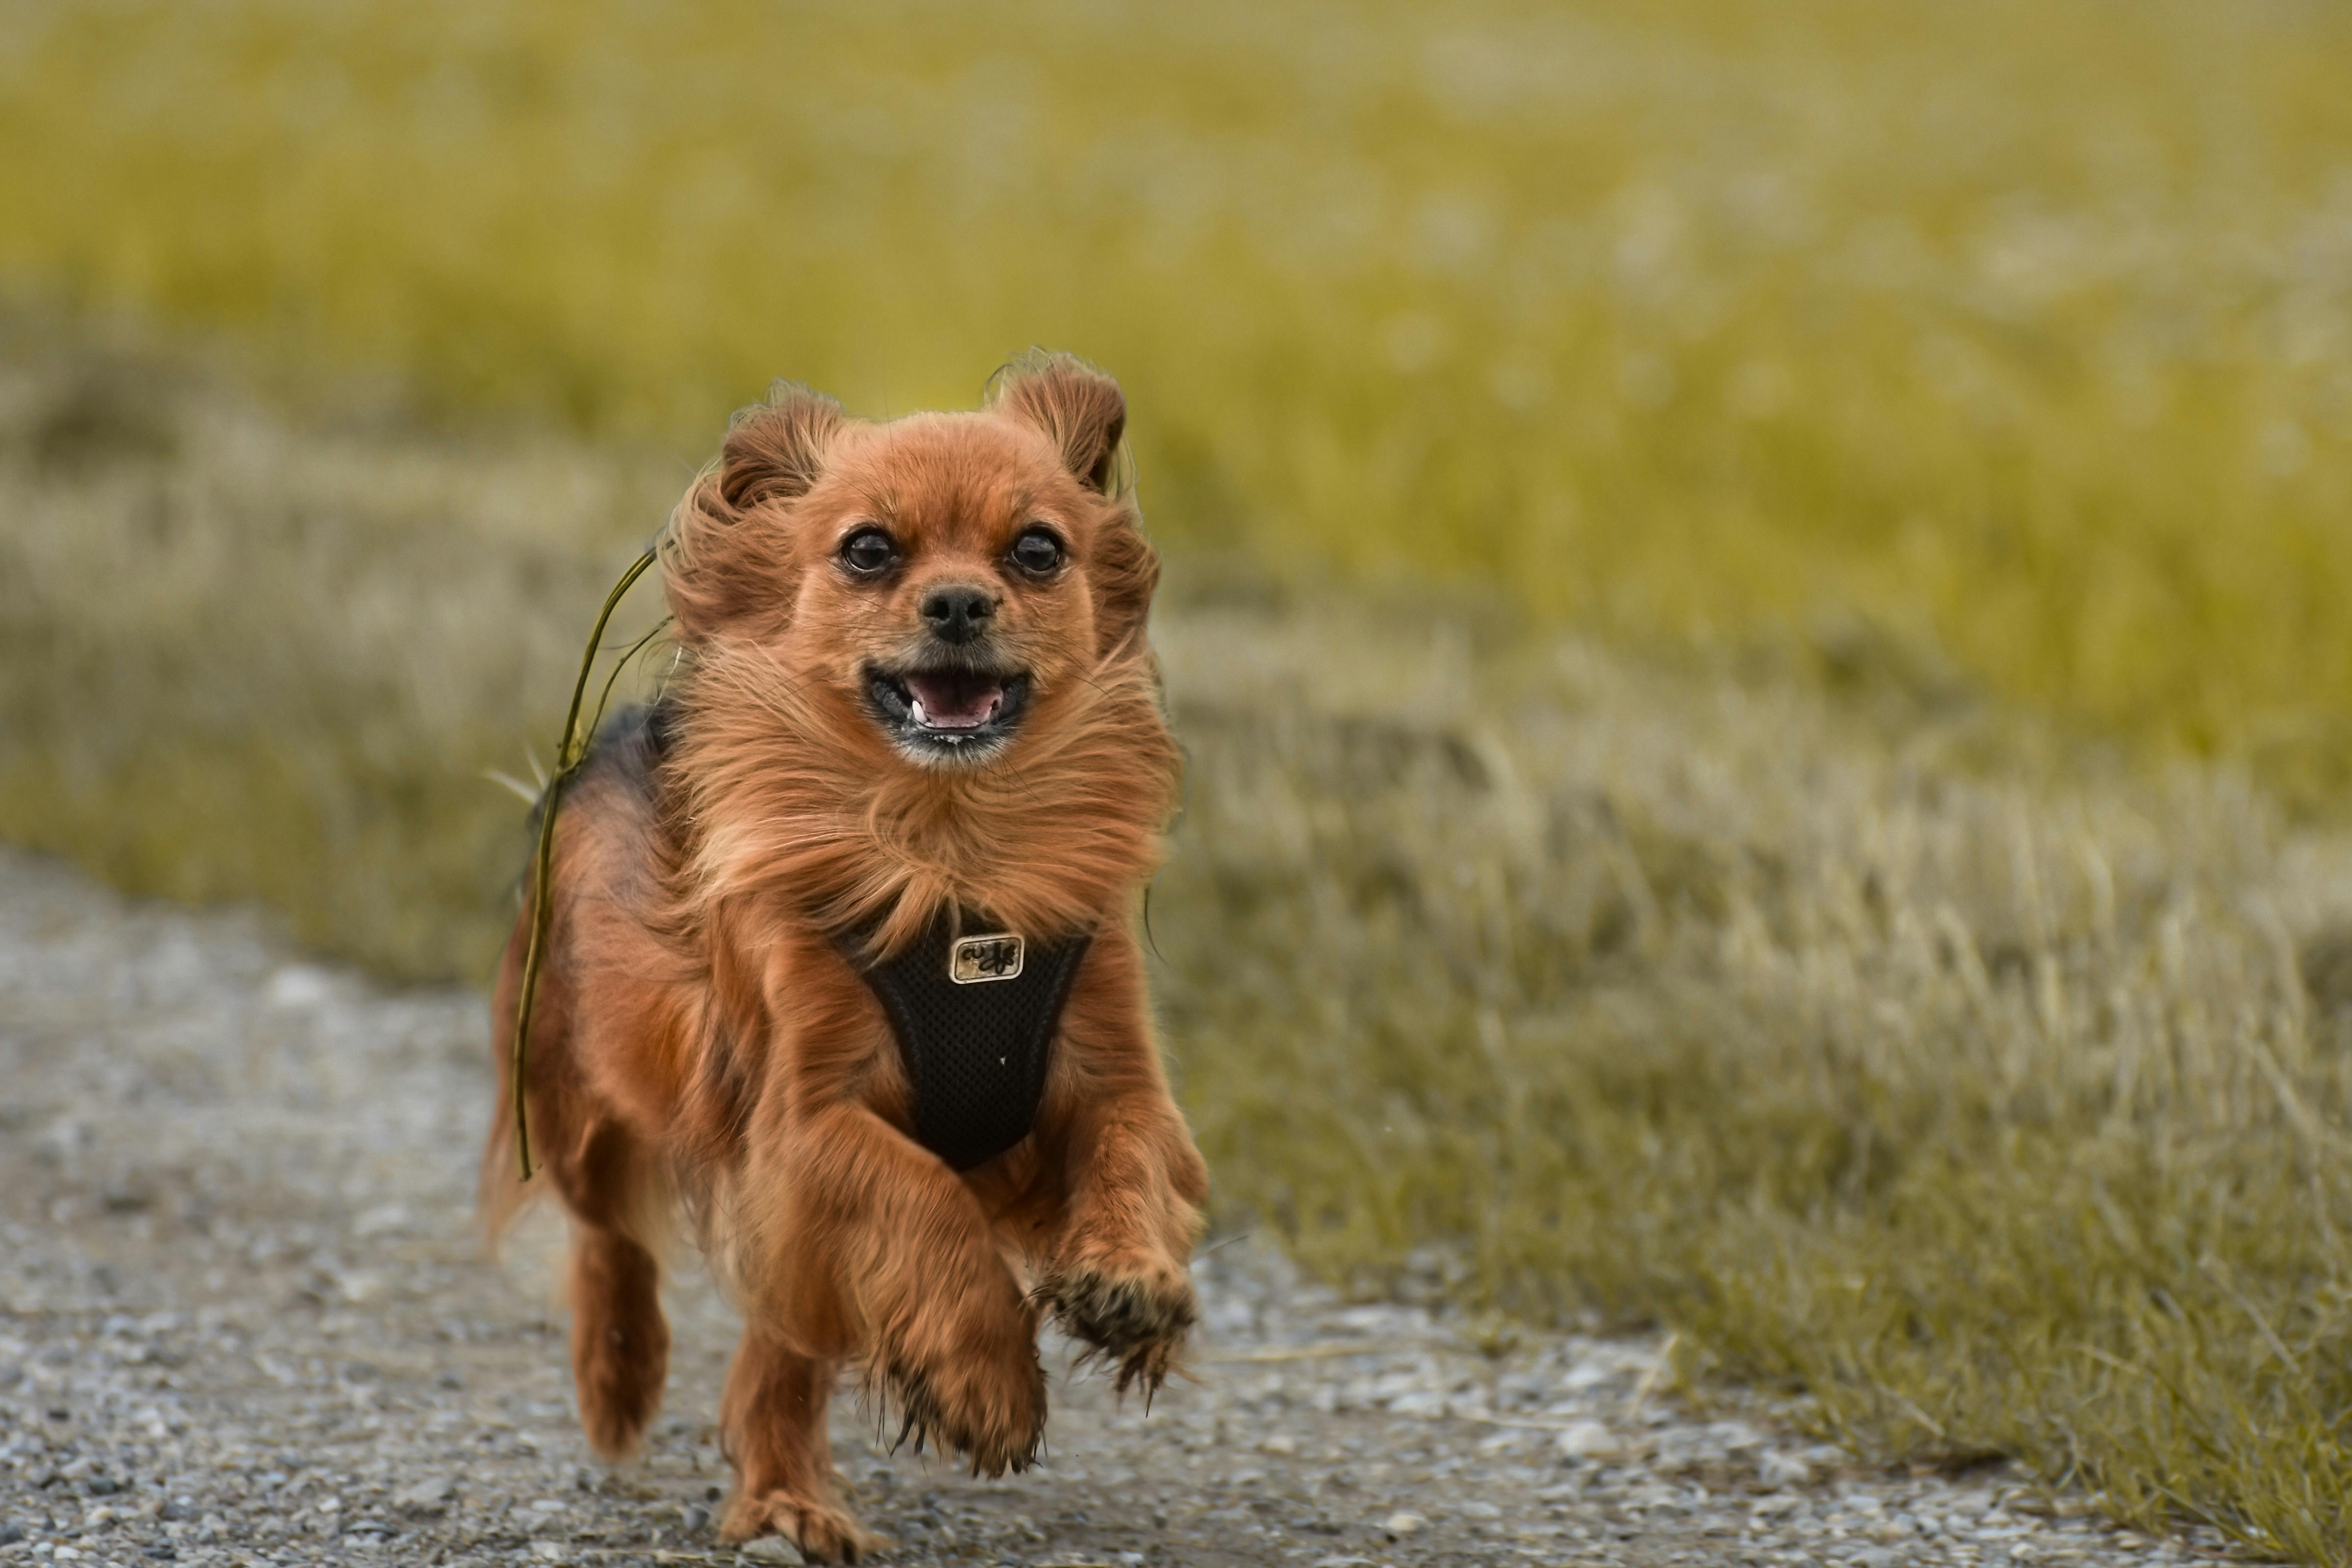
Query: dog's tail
point(500, 1192)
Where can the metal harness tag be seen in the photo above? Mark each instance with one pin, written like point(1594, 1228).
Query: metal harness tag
point(975, 1019)
point(977, 961)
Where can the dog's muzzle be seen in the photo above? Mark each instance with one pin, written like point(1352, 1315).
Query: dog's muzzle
point(947, 710)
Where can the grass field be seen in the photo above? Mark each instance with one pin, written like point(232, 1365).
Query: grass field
point(2021, 333)
point(1758, 596)
point(1889, 1044)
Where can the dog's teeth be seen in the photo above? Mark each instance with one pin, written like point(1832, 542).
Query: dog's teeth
point(920, 716)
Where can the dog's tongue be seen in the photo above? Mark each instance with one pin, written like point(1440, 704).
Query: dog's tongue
point(951, 701)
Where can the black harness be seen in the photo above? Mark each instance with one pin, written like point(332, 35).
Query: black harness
point(975, 1016)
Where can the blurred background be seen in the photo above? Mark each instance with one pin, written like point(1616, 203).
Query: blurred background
point(1757, 595)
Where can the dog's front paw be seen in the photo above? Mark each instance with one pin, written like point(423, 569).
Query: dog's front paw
point(1135, 1309)
point(982, 1394)
point(822, 1532)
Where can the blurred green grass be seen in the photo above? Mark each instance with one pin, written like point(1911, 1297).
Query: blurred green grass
point(2020, 332)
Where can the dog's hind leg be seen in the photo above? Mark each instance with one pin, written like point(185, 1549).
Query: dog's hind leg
point(620, 1342)
point(774, 1423)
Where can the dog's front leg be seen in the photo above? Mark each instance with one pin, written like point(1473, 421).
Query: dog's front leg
point(772, 1422)
point(1118, 1272)
point(891, 1248)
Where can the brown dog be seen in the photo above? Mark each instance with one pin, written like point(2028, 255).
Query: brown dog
point(914, 750)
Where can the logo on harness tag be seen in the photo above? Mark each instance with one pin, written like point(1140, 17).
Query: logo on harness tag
point(977, 959)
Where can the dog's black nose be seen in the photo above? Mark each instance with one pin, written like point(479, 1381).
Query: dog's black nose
point(959, 614)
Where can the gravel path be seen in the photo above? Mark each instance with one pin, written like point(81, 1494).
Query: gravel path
point(242, 1318)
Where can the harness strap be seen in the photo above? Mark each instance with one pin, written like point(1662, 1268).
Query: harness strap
point(975, 1016)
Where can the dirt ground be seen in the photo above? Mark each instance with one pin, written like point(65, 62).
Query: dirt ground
point(244, 1319)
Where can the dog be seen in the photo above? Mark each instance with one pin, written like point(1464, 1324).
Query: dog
point(840, 962)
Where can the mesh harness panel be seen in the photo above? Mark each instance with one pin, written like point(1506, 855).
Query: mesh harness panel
point(975, 1051)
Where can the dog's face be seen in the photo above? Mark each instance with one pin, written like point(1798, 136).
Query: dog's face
point(943, 575)
point(953, 586)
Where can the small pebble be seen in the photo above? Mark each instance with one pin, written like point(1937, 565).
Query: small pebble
point(1584, 1440)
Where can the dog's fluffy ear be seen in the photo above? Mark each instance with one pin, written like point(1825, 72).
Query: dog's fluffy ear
point(716, 568)
point(775, 450)
point(1080, 410)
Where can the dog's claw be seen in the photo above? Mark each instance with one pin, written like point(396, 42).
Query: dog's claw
point(1137, 1319)
point(996, 1439)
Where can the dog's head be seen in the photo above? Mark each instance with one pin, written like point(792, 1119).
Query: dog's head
point(941, 575)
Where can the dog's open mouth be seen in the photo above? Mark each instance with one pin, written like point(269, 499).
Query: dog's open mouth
point(946, 711)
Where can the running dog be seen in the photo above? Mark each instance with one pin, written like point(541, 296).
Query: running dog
point(840, 961)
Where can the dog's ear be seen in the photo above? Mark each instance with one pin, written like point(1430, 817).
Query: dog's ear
point(1080, 410)
point(776, 450)
point(718, 565)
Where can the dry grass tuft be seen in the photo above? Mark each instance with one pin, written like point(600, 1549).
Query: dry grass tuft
point(1994, 1099)
point(242, 658)
point(1991, 1094)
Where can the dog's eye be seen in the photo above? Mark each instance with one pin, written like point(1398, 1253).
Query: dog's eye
point(1037, 552)
point(867, 551)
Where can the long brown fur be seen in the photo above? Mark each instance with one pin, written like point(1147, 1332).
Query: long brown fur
point(701, 1041)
